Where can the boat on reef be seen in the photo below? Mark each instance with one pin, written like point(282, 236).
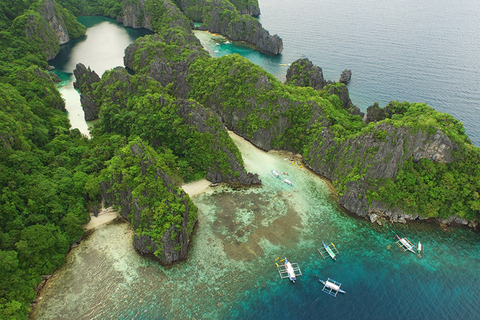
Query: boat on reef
point(405, 244)
point(419, 247)
point(275, 173)
point(329, 251)
point(290, 271)
point(331, 287)
point(290, 183)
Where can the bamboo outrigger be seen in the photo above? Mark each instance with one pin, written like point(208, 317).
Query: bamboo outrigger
point(331, 287)
point(330, 250)
point(289, 270)
point(405, 244)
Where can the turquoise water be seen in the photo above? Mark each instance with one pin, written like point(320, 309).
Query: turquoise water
point(101, 49)
point(406, 50)
point(231, 271)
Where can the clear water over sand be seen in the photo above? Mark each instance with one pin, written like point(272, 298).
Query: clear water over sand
point(231, 272)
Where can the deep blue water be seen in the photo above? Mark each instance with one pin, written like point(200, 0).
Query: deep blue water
point(417, 51)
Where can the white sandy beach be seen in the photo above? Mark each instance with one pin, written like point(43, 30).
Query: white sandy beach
point(104, 216)
point(196, 187)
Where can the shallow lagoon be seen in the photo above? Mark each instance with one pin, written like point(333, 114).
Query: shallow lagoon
point(231, 270)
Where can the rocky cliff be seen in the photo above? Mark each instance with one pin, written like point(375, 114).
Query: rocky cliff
point(220, 16)
point(303, 73)
point(53, 25)
point(153, 55)
point(162, 215)
point(85, 78)
point(249, 7)
point(157, 16)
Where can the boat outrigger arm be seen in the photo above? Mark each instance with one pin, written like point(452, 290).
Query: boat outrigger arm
point(289, 270)
point(405, 244)
point(331, 287)
point(330, 250)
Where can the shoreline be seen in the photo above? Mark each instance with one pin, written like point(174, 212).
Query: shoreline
point(104, 216)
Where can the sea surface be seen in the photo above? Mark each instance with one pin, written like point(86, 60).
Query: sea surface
point(406, 50)
point(231, 272)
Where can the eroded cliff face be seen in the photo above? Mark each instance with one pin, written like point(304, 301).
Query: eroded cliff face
point(224, 20)
point(50, 26)
point(233, 20)
point(161, 214)
point(55, 19)
point(147, 55)
point(152, 15)
point(378, 158)
point(85, 79)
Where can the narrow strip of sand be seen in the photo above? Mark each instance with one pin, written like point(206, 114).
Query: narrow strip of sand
point(196, 187)
point(104, 216)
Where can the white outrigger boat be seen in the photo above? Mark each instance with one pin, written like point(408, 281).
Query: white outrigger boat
point(288, 182)
point(275, 173)
point(405, 244)
point(331, 287)
point(289, 270)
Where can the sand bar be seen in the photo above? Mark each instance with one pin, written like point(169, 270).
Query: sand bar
point(104, 216)
point(196, 187)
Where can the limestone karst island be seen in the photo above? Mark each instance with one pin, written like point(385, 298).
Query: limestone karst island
point(166, 118)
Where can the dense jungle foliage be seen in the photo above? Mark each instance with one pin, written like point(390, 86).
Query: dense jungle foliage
point(143, 173)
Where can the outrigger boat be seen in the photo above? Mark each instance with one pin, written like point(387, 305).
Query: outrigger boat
point(326, 249)
point(288, 182)
point(275, 173)
point(289, 270)
point(419, 247)
point(331, 287)
point(405, 244)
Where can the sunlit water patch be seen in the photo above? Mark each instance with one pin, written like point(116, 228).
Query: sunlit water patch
point(243, 233)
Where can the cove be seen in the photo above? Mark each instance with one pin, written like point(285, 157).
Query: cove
point(243, 233)
point(101, 49)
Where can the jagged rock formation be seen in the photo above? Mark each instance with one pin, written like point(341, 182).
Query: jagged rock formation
point(345, 76)
point(85, 78)
point(197, 118)
point(249, 7)
point(153, 15)
point(303, 73)
point(220, 16)
point(397, 145)
point(146, 56)
point(167, 241)
point(50, 14)
point(53, 25)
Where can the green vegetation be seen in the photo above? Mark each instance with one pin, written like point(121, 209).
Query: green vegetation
point(142, 109)
point(146, 177)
